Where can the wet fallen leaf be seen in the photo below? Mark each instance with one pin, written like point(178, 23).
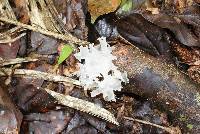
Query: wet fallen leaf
point(181, 30)
point(84, 129)
point(10, 116)
point(143, 34)
point(50, 122)
point(9, 51)
point(190, 57)
point(73, 14)
point(26, 94)
point(43, 44)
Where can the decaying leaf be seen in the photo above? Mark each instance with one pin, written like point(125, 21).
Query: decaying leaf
point(143, 34)
point(174, 24)
point(179, 16)
point(194, 73)
point(42, 21)
point(41, 16)
point(10, 116)
point(21, 10)
point(100, 7)
point(7, 12)
point(191, 57)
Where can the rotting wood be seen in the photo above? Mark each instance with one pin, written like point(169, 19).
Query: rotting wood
point(161, 83)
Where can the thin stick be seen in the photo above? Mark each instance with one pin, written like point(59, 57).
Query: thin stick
point(39, 75)
point(11, 32)
point(171, 130)
point(69, 38)
point(12, 39)
point(16, 61)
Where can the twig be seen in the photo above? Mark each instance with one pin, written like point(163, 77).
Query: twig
point(83, 106)
point(16, 61)
point(39, 75)
point(11, 32)
point(12, 39)
point(171, 130)
point(69, 38)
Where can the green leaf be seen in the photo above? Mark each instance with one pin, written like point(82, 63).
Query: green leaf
point(65, 52)
point(126, 5)
point(190, 126)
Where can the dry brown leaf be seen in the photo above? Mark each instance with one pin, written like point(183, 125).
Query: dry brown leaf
point(22, 10)
point(100, 7)
point(41, 16)
point(153, 10)
point(6, 10)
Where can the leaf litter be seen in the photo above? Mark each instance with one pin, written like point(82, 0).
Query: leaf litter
point(135, 23)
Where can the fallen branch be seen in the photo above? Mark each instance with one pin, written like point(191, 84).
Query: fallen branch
point(67, 37)
point(171, 130)
point(16, 61)
point(38, 75)
point(161, 83)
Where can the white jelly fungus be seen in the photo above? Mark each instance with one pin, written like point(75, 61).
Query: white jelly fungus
point(97, 71)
